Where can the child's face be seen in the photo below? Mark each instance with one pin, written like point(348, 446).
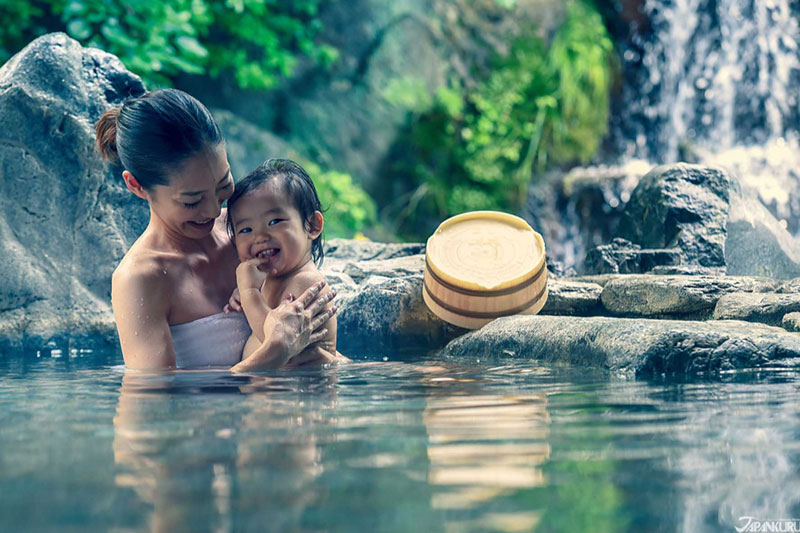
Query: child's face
point(266, 224)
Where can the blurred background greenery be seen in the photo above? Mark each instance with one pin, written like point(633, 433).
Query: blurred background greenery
point(518, 88)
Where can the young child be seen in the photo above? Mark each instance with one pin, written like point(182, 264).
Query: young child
point(275, 220)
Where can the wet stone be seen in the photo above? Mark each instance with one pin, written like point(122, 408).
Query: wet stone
point(624, 257)
point(767, 308)
point(355, 250)
point(791, 321)
point(399, 267)
point(654, 296)
point(789, 287)
point(567, 297)
point(387, 316)
point(687, 270)
point(633, 346)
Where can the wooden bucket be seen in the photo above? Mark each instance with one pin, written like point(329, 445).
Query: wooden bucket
point(483, 265)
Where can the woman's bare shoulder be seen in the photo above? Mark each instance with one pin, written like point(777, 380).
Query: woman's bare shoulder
point(146, 265)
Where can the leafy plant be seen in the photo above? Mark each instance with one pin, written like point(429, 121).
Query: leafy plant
point(257, 41)
point(478, 148)
point(349, 210)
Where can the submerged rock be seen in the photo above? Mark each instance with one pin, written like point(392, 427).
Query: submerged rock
point(636, 346)
point(65, 219)
point(652, 296)
point(767, 308)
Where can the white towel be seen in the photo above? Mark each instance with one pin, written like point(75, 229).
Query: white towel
point(216, 340)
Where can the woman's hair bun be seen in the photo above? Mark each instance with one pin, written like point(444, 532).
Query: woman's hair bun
point(106, 135)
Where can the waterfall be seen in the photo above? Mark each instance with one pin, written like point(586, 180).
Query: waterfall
point(717, 81)
point(710, 73)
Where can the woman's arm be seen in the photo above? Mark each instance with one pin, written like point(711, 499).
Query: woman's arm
point(290, 328)
point(139, 297)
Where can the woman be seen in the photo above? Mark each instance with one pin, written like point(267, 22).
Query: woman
point(169, 290)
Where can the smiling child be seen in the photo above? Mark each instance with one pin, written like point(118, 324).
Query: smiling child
point(275, 220)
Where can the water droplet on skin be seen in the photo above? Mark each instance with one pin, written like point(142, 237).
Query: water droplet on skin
point(136, 333)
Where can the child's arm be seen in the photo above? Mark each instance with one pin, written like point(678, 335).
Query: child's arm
point(249, 281)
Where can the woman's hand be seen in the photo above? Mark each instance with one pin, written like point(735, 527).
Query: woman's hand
point(302, 321)
point(291, 327)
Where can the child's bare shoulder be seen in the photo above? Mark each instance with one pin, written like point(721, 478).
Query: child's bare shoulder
point(303, 280)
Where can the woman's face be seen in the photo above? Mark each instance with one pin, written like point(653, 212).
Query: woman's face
point(192, 200)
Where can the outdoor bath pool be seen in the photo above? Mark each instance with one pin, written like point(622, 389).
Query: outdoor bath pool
point(427, 444)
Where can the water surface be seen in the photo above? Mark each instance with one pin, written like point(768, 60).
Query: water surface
point(429, 444)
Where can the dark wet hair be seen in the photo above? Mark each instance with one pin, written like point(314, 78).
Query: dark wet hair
point(298, 186)
point(156, 133)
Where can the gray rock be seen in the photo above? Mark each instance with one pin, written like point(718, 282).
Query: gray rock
point(353, 250)
point(680, 206)
point(340, 281)
point(757, 244)
point(653, 296)
point(791, 321)
point(634, 346)
point(767, 308)
point(624, 257)
point(388, 316)
point(703, 212)
point(580, 209)
point(568, 297)
point(790, 287)
point(399, 267)
point(687, 270)
point(600, 279)
point(65, 219)
point(247, 145)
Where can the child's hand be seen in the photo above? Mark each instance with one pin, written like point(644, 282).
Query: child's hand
point(234, 303)
point(248, 276)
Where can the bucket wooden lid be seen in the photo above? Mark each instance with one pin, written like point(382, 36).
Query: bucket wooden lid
point(485, 251)
point(483, 265)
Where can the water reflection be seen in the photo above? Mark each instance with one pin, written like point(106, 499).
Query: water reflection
point(226, 459)
point(482, 448)
point(445, 447)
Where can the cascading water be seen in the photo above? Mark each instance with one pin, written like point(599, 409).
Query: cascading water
point(710, 73)
point(717, 81)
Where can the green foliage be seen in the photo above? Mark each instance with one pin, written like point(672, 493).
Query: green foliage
point(585, 498)
point(257, 41)
point(477, 149)
point(349, 210)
